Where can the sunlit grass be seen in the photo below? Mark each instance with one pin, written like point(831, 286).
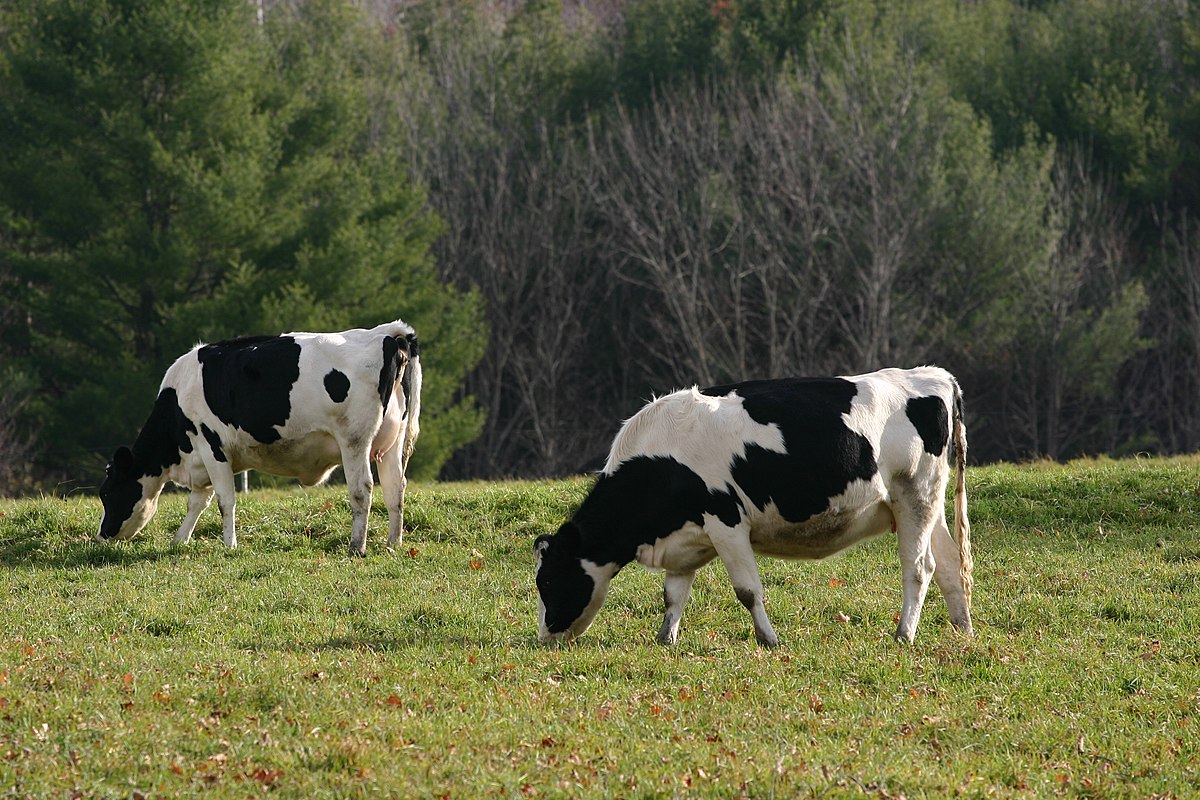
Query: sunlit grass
point(286, 668)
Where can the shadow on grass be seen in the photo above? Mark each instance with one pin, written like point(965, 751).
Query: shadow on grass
point(415, 639)
point(29, 553)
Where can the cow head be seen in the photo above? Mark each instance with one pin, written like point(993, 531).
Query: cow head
point(129, 497)
point(571, 588)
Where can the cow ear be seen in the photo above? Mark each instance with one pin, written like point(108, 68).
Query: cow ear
point(122, 460)
point(541, 544)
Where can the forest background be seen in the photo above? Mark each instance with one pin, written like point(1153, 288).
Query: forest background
point(580, 204)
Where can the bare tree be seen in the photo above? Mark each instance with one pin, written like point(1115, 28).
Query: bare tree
point(1080, 321)
point(785, 231)
point(1173, 367)
point(520, 230)
point(18, 439)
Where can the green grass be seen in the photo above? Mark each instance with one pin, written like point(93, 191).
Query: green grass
point(286, 669)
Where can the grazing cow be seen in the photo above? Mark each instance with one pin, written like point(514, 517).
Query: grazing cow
point(795, 468)
point(295, 405)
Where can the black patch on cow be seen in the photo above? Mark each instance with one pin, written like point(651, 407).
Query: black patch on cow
point(163, 437)
point(119, 492)
point(646, 499)
point(390, 369)
point(746, 597)
point(823, 455)
point(248, 382)
point(562, 583)
point(214, 442)
point(929, 416)
point(337, 385)
point(158, 446)
point(414, 350)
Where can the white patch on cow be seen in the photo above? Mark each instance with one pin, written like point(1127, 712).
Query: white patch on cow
point(826, 534)
point(704, 433)
point(682, 551)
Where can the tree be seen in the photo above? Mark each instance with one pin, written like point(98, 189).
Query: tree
point(1073, 326)
point(177, 172)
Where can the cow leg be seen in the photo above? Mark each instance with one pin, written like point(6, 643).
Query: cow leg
point(946, 573)
point(393, 483)
point(223, 485)
point(198, 500)
point(359, 484)
point(677, 587)
point(733, 548)
point(914, 515)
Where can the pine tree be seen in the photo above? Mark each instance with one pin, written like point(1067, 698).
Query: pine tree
point(175, 172)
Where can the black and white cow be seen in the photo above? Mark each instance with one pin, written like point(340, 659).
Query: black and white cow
point(295, 405)
point(794, 468)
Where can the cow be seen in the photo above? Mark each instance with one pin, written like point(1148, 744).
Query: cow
point(295, 405)
point(797, 468)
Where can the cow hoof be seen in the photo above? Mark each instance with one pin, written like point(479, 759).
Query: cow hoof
point(768, 642)
point(903, 638)
point(357, 553)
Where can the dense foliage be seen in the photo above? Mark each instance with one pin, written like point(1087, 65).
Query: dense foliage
point(619, 197)
point(174, 172)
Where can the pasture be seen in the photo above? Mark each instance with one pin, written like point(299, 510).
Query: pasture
point(285, 669)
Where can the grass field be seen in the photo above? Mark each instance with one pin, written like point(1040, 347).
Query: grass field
point(139, 670)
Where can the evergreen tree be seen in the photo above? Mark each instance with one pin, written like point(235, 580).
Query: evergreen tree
point(173, 171)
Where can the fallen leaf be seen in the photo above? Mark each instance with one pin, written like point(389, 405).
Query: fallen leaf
point(836, 582)
point(475, 564)
point(393, 700)
point(413, 552)
point(267, 777)
point(840, 617)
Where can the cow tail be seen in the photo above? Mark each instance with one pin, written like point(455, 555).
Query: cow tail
point(411, 385)
point(962, 525)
